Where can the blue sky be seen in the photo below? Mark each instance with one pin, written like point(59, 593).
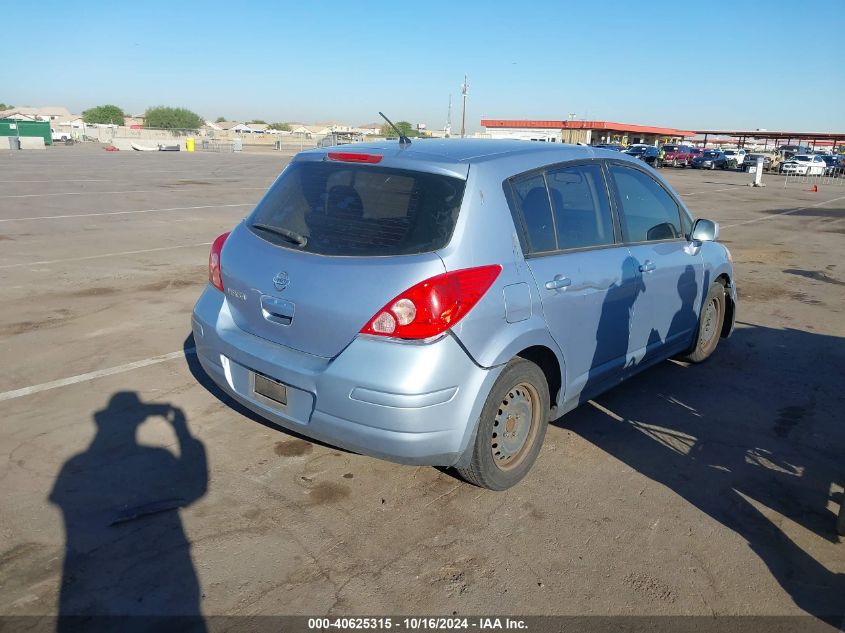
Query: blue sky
point(683, 63)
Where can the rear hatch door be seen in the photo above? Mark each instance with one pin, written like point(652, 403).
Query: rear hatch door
point(330, 244)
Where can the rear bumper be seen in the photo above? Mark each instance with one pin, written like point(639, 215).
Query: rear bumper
point(410, 403)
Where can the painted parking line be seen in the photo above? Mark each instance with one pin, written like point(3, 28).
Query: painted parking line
point(47, 262)
point(782, 213)
point(90, 215)
point(98, 193)
point(61, 180)
point(93, 375)
point(695, 193)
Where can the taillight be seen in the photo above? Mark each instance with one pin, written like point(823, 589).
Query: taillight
point(432, 306)
point(215, 271)
point(355, 157)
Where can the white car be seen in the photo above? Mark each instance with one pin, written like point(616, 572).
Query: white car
point(805, 165)
point(59, 136)
point(736, 155)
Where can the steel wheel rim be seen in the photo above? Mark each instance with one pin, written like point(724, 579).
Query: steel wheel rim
point(515, 426)
point(709, 321)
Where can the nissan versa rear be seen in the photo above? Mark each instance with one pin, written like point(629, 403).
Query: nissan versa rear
point(438, 303)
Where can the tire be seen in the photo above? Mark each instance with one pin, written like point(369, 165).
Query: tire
point(519, 395)
point(710, 323)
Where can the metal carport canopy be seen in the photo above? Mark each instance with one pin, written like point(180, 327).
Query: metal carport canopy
point(776, 135)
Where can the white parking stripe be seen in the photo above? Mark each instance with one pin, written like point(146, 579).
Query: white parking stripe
point(62, 180)
point(89, 215)
point(92, 375)
point(777, 215)
point(695, 193)
point(82, 259)
point(96, 193)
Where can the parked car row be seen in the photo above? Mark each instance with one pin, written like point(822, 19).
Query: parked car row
point(678, 155)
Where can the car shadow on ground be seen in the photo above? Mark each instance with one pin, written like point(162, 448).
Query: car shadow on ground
point(754, 431)
point(126, 551)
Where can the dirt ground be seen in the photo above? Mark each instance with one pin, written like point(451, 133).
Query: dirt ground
point(689, 490)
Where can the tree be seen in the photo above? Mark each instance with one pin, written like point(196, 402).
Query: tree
point(6, 106)
point(259, 121)
point(167, 118)
point(406, 128)
point(104, 114)
point(284, 127)
point(220, 119)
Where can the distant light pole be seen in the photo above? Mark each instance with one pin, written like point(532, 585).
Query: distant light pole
point(464, 89)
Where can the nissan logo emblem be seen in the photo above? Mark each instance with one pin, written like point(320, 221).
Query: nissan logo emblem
point(281, 280)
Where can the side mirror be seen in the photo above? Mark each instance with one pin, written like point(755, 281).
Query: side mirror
point(705, 231)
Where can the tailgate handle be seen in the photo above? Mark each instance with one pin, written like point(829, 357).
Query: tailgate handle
point(277, 310)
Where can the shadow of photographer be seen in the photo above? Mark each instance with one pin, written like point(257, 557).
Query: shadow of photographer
point(126, 551)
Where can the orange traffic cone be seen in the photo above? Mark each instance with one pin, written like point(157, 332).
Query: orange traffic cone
point(814, 189)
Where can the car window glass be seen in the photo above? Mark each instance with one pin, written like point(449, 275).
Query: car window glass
point(362, 210)
point(648, 211)
point(532, 201)
point(581, 208)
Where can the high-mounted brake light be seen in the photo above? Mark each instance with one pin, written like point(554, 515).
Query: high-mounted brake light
point(354, 157)
point(433, 306)
point(215, 270)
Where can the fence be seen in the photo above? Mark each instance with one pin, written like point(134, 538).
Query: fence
point(831, 176)
point(217, 140)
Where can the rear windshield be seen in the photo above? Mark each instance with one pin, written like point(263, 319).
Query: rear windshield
point(344, 209)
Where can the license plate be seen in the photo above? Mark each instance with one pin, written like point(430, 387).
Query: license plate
point(271, 389)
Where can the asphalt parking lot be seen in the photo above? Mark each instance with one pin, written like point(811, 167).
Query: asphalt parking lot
point(689, 490)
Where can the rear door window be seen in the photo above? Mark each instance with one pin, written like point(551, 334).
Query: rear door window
point(535, 212)
point(581, 207)
point(333, 208)
point(648, 211)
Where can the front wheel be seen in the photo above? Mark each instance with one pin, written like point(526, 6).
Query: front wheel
point(709, 325)
point(511, 428)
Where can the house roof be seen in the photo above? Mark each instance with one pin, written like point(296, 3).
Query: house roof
point(371, 126)
point(47, 111)
point(228, 125)
point(258, 126)
point(584, 125)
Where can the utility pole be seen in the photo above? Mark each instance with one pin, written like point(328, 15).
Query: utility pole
point(464, 89)
point(449, 118)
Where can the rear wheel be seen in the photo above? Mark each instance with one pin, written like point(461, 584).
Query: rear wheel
point(709, 325)
point(511, 428)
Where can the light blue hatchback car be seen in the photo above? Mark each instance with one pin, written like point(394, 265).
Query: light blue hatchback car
point(439, 302)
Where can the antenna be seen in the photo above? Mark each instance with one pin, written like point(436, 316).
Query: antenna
point(464, 90)
point(403, 140)
point(449, 118)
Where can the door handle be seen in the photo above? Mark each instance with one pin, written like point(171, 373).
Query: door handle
point(647, 266)
point(558, 282)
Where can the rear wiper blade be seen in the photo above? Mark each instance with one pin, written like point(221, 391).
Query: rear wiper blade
point(291, 236)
